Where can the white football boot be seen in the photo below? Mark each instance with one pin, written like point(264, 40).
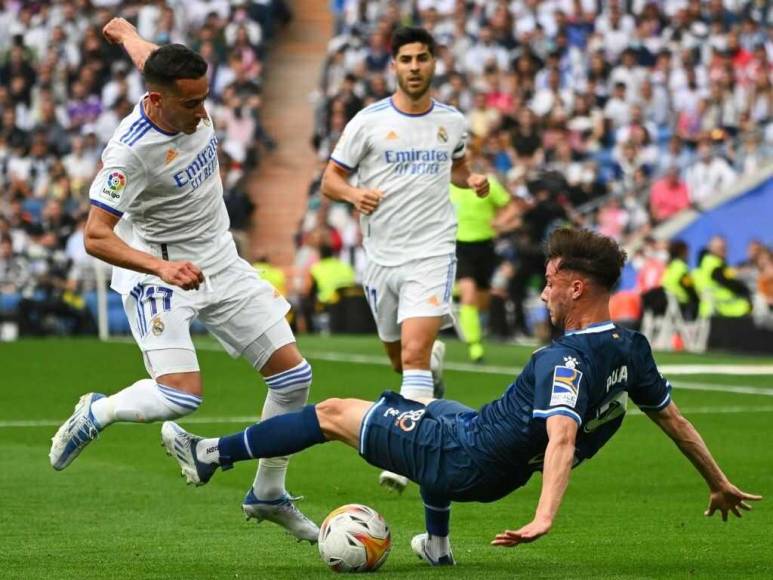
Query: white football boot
point(182, 446)
point(436, 361)
point(393, 481)
point(420, 548)
point(283, 512)
point(75, 433)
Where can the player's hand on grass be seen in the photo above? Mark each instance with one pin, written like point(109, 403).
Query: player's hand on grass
point(729, 499)
point(528, 533)
point(186, 275)
point(367, 200)
point(478, 183)
point(117, 30)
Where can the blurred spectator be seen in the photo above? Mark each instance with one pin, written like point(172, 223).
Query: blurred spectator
point(678, 282)
point(14, 272)
point(710, 175)
point(618, 99)
point(63, 90)
point(721, 293)
point(669, 195)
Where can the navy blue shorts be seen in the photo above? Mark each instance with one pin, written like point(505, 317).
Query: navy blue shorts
point(420, 442)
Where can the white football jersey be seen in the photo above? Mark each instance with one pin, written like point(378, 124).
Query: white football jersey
point(408, 158)
point(166, 187)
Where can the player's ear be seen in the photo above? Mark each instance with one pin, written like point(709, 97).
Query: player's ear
point(578, 287)
point(154, 97)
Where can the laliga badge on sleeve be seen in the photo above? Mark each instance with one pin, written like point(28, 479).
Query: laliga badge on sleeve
point(115, 183)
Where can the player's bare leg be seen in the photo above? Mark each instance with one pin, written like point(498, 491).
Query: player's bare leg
point(421, 361)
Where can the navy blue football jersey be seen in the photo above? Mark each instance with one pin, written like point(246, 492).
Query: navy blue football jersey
point(586, 375)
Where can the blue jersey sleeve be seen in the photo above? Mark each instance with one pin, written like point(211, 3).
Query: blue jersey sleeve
point(560, 384)
point(650, 390)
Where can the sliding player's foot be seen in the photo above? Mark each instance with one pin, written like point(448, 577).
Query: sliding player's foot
point(420, 547)
point(182, 446)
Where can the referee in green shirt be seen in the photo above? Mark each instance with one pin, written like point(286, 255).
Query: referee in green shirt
point(480, 220)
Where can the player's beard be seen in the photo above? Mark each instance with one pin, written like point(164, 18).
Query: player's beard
point(414, 94)
point(557, 317)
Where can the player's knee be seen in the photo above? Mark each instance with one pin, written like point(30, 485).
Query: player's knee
point(186, 383)
point(416, 353)
point(330, 412)
point(178, 402)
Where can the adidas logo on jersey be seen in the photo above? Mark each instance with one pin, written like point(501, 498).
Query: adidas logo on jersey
point(391, 136)
point(171, 155)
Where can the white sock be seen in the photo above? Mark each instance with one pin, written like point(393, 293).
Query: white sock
point(438, 546)
point(288, 391)
point(417, 384)
point(144, 402)
point(207, 450)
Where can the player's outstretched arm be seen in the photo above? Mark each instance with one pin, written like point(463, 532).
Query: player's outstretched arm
point(336, 187)
point(121, 31)
point(102, 242)
point(559, 457)
point(724, 496)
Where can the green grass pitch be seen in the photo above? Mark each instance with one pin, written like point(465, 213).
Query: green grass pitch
point(122, 511)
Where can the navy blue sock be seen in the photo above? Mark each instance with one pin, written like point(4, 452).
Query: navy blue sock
point(437, 514)
point(281, 435)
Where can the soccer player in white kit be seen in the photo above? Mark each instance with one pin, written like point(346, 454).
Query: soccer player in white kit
point(157, 214)
point(404, 151)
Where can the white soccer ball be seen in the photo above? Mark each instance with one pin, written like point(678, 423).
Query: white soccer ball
point(354, 538)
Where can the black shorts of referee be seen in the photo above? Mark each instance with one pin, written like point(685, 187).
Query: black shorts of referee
point(476, 260)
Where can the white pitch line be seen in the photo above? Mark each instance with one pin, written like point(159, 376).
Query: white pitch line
point(192, 420)
point(512, 371)
point(669, 369)
point(719, 369)
point(249, 420)
point(747, 370)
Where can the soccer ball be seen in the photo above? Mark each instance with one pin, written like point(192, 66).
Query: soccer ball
point(354, 538)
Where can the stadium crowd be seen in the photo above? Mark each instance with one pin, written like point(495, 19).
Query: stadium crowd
point(63, 90)
point(611, 115)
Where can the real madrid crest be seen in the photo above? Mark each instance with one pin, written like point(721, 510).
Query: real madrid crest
point(442, 135)
point(157, 326)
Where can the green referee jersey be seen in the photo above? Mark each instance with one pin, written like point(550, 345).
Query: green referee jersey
point(475, 214)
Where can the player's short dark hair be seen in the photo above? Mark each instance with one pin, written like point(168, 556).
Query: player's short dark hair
point(410, 34)
point(170, 62)
point(589, 253)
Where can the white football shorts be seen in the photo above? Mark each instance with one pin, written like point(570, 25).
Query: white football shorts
point(235, 305)
point(416, 289)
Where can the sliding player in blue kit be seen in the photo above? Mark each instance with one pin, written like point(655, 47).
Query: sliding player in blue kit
point(568, 401)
